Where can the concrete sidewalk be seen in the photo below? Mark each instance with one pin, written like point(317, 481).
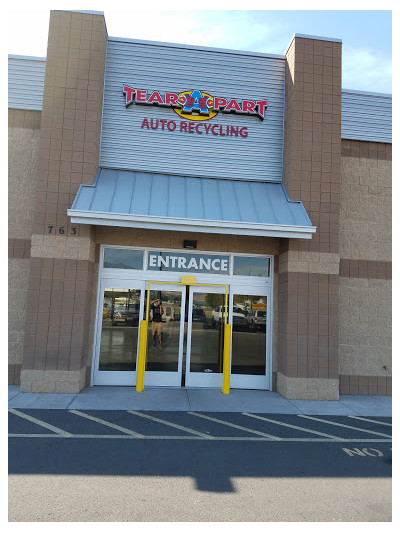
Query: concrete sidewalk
point(211, 400)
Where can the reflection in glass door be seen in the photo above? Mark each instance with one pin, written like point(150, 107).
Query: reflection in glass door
point(249, 343)
point(118, 333)
point(165, 334)
point(205, 345)
point(185, 335)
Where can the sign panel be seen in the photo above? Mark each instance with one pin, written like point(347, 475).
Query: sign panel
point(197, 112)
point(188, 262)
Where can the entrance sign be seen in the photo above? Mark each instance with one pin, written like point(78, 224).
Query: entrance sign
point(186, 262)
point(195, 104)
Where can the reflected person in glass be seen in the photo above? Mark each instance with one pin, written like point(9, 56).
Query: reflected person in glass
point(156, 326)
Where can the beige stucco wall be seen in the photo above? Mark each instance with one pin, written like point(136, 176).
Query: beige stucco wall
point(23, 151)
point(365, 209)
point(365, 327)
point(365, 234)
point(18, 279)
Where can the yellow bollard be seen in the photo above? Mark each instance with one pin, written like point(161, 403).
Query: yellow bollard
point(141, 356)
point(227, 359)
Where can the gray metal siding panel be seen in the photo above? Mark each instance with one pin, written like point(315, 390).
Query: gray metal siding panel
point(125, 145)
point(25, 83)
point(366, 117)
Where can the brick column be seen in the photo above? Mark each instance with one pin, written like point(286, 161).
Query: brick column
point(309, 269)
point(56, 344)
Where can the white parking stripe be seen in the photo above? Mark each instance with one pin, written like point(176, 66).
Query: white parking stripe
point(108, 424)
point(344, 425)
point(191, 437)
point(176, 426)
point(272, 437)
point(41, 423)
point(372, 421)
point(333, 437)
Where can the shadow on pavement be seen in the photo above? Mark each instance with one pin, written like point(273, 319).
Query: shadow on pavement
point(211, 464)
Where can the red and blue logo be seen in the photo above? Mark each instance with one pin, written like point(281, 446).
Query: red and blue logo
point(195, 104)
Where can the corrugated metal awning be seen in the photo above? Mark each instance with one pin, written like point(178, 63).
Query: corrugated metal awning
point(166, 202)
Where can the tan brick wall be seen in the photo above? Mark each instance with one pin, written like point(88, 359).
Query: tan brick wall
point(23, 118)
point(71, 115)
point(311, 163)
point(365, 327)
point(61, 279)
point(309, 269)
point(365, 385)
point(366, 150)
point(365, 211)
point(275, 323)
point(59, 315)
point(174, 239)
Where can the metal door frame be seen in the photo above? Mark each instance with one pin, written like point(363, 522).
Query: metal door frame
point(103, 377)
point(164, 378)
point(248, 381)
point(198, 379)
point(142, 352)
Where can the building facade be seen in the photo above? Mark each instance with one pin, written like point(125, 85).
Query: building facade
point(206, 179)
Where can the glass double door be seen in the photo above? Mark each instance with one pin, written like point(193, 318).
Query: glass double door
point(184, 338)
point(185, 348)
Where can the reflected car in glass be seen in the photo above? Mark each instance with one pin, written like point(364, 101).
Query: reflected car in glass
point(239, 317)
point(128, 316)
point(257, 319)
point(198, 315)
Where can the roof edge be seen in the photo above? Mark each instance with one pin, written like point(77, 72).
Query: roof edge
point(30, 58)
point(313, 37)
point(195, 225)
point(196, 47)
point(367, 93)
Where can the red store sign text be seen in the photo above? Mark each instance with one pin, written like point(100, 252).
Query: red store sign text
point(191, 127)
point(195, 105)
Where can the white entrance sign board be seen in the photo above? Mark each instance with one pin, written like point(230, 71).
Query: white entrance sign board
point(184, 262)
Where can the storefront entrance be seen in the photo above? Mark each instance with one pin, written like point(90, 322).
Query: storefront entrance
point(186, 347)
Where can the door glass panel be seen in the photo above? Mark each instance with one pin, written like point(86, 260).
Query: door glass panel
point(207, 341)
point(164, 330)
point(119, 331)
point(249, 334)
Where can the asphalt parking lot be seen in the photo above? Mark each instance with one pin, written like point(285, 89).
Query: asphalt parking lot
point(229, 464)
point(335, 445)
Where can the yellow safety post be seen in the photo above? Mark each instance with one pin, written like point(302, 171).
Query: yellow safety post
point(226, 377)
point(142, 356)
